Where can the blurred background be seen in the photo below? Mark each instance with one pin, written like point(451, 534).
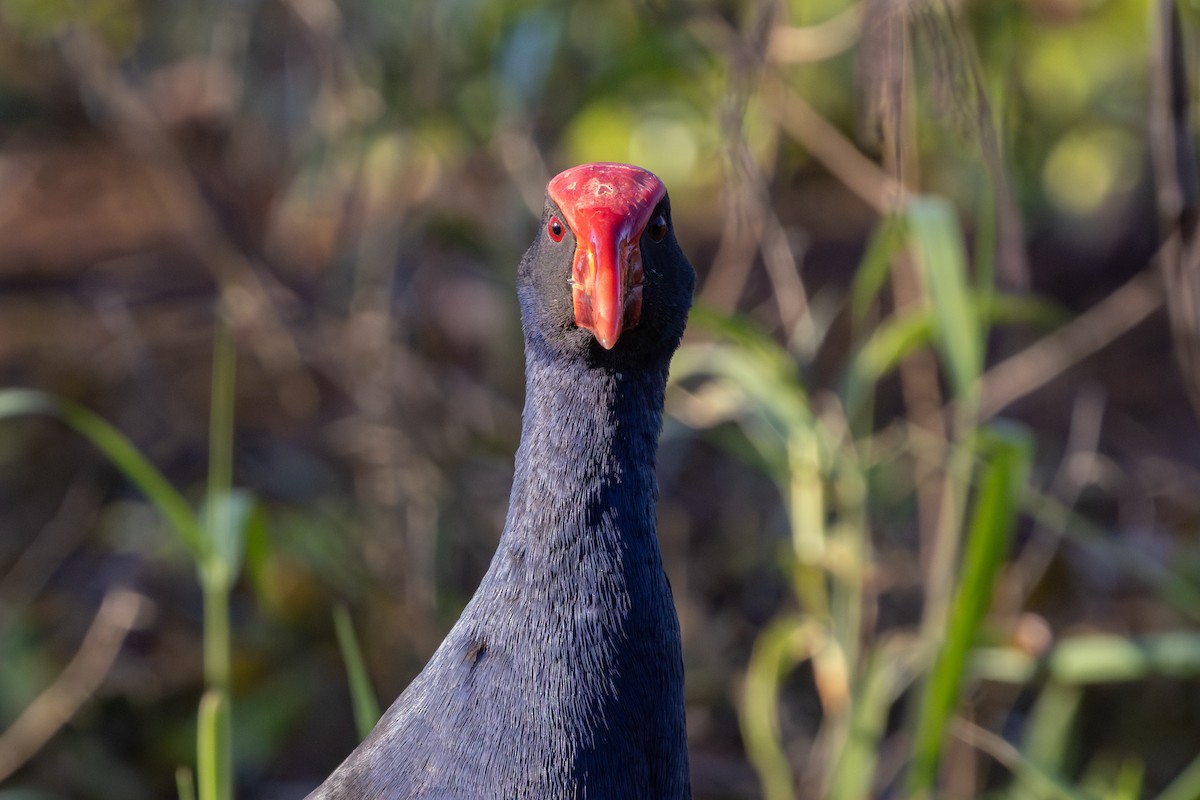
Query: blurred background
point(347, 187)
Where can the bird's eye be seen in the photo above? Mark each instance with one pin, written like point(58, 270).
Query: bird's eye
point(555, 229)
point(657, 228)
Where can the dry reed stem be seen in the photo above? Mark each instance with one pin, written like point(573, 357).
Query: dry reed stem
point(1173, 159)
point(745, 185)
point(1046, 359)
point(32, 569)
point(55, 706)
point(824, 40)
point(987, 742)
point(832, 148)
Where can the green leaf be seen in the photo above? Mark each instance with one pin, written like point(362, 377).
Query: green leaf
point(1129, 779)
point(1006, 453)
point(1049, 734)
point(227, 520)
point(121, 452)
point(1186, 785)
point(1110, 658)
point(1038, 783)
point(891, 341)
point(783, 644)
point(889, 672)
point(225, 512)
point(899, 336)
point(214, 753)
point(758, 386)
point(940, 255)
point(185, 784)
point(1016, 309)
point(749, 339)
point(875, 266)
point(1110, 776)
point(366, 706)
point(1096, 658)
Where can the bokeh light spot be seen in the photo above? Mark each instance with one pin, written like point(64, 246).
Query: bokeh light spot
point(1087, 168)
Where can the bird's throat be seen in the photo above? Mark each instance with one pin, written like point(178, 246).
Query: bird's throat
point(575, 608)
point(588, 452)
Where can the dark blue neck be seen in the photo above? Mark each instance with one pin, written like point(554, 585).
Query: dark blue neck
point(564, 675)
point(588, 448)
point(579, 576)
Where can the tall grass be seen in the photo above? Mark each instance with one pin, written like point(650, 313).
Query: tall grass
point(215, 539)
point(902, 691)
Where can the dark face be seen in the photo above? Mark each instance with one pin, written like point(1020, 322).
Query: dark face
point(604, 278)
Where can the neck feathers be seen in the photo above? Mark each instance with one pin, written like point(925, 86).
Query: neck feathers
point(588, 449)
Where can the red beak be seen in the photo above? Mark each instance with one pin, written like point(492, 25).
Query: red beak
point(607, 207)
point(606, 280)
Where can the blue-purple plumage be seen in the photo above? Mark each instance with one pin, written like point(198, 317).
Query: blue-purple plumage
point(563, 678)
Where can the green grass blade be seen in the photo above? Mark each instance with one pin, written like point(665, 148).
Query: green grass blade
point(1127, 785)
point(233, 513)
point(887, 675)
point(1049, 734)
point(19, 402)
point(1014, 309)
point(214, 759)
point(1186, 786)
point(805, 500)
point(746, 334)
point(875, 266)
point(362, 696)
point(899, 336)
point(1037, 783)
point(185, 784)
point(766, 380)
point(1096, 658)
point(121, 452)
point(1006, 454)
point(220, 508)
point(780, 646)
point(217, 648)
point(941, 259)
point(1110, 658)
point(753, 388)
point(225, 515)
point(1111, 776)
point(891, 341)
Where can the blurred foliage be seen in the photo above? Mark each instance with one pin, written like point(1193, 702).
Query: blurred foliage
point(908, 218)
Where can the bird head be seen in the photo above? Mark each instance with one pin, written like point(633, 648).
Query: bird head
point(604, 273)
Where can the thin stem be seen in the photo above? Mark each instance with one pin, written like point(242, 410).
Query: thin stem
point(217, 651)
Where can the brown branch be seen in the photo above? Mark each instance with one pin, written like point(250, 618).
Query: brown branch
point(828, 145)
point(1094, 329)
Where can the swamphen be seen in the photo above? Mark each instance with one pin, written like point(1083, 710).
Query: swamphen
point(563, 678)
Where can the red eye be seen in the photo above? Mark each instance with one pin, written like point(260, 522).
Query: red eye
point(657, 228)
point(555, 229)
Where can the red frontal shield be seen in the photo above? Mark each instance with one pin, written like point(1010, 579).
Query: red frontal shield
point(607, 207)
